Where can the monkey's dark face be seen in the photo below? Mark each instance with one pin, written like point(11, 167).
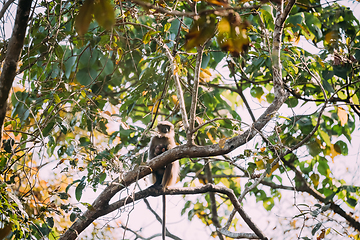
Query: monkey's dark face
point(165, 129)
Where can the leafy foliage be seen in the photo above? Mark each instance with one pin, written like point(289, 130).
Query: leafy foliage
point(94, 78)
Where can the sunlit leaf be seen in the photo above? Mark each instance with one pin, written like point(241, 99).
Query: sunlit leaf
point(325, 137)
point(232, 34)
point(83, 19)
point(104, 14)
point(343, 116)
point(201, 30)
point(331, 37)
point(315, 179)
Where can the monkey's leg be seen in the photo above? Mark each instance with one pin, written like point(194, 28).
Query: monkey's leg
point(171, 174)
point(157, 177)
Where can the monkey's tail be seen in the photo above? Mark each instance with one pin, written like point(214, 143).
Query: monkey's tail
point(164, 217)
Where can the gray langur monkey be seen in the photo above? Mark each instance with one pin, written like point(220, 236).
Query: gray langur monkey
point(163, 141)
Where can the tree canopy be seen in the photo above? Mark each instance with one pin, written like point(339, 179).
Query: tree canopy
point(264, 96)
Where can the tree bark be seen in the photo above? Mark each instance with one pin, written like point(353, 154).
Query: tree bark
point(14, 48)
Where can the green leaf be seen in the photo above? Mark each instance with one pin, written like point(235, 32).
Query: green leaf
point(257, 92)
point(341, 71)
point(73, 217)
point(323, 167)
point(327, 86)
point(102, 177)
point(48, 128)
point(50, 221)
point(79, 190)
point(325, 207)
point(293, 21)
point(270, 97)
point(314, 148)
point(324, 136)
point(314, 25)
point(342, 146)
point(351, 201)
point(56, 98)
point(316, 228)
point(292, 102)
point(205, 60)
point(86, 76)
point(84, 141)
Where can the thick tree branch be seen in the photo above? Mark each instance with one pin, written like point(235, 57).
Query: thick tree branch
point(14, 48)
point(181, 191)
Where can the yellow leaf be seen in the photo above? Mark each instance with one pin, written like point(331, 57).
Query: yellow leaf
point(343, 116)
point(210, 137)
point(315, 179)
point(174, 99)
point(319, 60)
point(108, 113)
point(104, 14)
point(199, 120)
point(224, 26)
point(205, 75)
point(223, 3)
point(260, 164)
point(293, 223)
point(273, 169)
point(285, 118)
point(355, 99)
point(222, 142)
point(155, 106)
point(225, 181)
point(56, 98)
point(83, 19)
point(331, 37)
point(334, 151)
point(202, 29)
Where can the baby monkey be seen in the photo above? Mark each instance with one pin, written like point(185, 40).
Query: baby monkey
point(163, 141)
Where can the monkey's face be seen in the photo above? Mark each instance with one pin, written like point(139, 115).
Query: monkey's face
point(165, 128)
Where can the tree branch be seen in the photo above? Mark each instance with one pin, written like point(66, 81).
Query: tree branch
point(313, 192)
point(5, 7)
point(154, 192)
point(214, 213)
point(12, 56)
point(180, 93)
point(190, 133)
